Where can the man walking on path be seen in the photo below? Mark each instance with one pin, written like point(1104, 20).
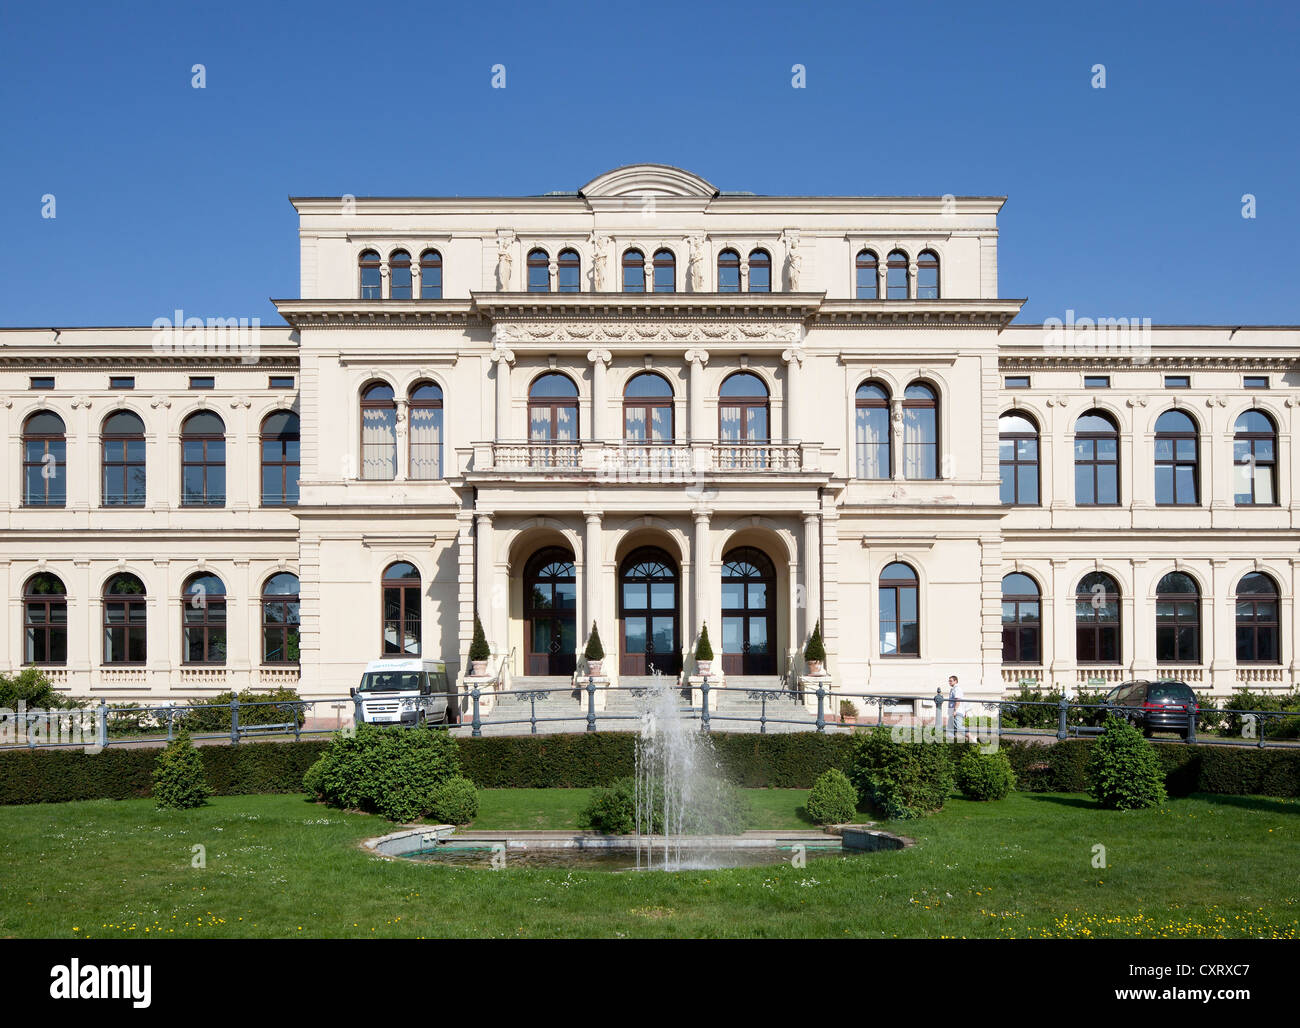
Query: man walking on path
point(954, 704)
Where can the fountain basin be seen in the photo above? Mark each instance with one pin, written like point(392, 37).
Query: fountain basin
point(594, 851)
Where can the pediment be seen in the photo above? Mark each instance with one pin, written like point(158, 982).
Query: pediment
point(649, 180)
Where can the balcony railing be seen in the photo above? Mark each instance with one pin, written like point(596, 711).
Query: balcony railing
point(616, 461)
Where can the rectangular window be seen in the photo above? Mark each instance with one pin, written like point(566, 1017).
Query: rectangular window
point(1096, 381)
point(1255, 382)
point(1016, 382)
point(280, 382)
point(121, 382)
point(43, 382)
point(1178, 381)
point(202, 382)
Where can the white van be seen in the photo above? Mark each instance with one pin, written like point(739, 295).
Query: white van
point(407, 691)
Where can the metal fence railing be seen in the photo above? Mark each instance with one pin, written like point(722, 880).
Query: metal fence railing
point(584, 705)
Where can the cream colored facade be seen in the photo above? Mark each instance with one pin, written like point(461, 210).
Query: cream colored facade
point(794, 494)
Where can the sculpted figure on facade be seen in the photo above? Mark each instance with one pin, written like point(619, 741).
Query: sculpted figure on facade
point(599, 262)
point(794, 260)
point(696, 243)
point(505, 241)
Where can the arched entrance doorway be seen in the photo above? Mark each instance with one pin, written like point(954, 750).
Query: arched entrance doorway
point(748, 613)
point(649, 613)
point(550, 612)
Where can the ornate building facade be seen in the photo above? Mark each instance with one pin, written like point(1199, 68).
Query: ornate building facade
point(650, 405)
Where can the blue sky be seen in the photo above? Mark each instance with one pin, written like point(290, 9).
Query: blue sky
point(1123, 201)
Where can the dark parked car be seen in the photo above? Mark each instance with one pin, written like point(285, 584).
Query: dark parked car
point(1161, 706)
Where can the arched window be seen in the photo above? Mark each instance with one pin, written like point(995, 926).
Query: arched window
point(45, 461)
point(371, 282)
point(203, 460)
point(426, 431)
point(378, 432)
point(431, 275)
point(1257, 620)
point(729, 272)
point(122, 438)
point(401, 588)
point(927, 275)
point(1254, 458)
point(872, 429)
point(920, 432)
point(1022, 620)
point(748, 613)
point(760, 271)
point(633, 271)
point(1096, 460)
point(896, 276)
point(1178, 620)
point(280, 459)
point(743, 421)
point(866, 276)
point(665, 265)
point(900, 619)
point(280, 617)
point(203, 620)
point(553, 418)
point(650, 612)
point(539, 271)
point(1176, 461)
point(1018, 459)
point(570, 271)
point(1097, 638)
point(45, 620)
point(648, 409)
point(399, 275)
point(125, 621)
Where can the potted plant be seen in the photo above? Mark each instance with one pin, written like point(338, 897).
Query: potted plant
point(595, 652)
point(479, 651)
point(815, 652)
point(704, 652)
point(848, 712)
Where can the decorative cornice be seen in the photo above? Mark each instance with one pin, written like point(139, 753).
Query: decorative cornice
point(648, 332)
point(1149, 362)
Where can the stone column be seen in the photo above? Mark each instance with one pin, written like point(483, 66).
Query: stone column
point(591, 574)
point(485, 570)
point(1059, 640)
point(649, 271)
point(698, 359)
point(385, 288)
point(744, 274)
point(882, 277)
point(794, 427)
point(552, 275)
point(700, 569)
point(503, 359)
point(810, 557)
point(1139, 626)
point(911, 278)
point(403, 440)
point(415, 275)
point(599, 365)
point(1219, 629)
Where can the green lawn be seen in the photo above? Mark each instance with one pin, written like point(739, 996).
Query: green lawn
point(280, 866)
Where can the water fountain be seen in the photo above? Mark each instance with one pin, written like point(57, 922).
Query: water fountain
point(676, 776)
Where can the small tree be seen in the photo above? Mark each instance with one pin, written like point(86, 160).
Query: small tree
point(594, 651)
point(478, 647)
point(1124, 770)
point(179, 781)
point(816, 649)
point(703, 651)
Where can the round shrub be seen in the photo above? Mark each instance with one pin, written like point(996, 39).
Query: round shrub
point(394, 772)
point(455, 801)
point(985, 776)
point(1124, 770)
point(179, 781)
point(833, 800)
point(900, 780)
point(611, 809)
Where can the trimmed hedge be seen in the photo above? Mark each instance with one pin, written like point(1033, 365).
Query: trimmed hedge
point(785, 761)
